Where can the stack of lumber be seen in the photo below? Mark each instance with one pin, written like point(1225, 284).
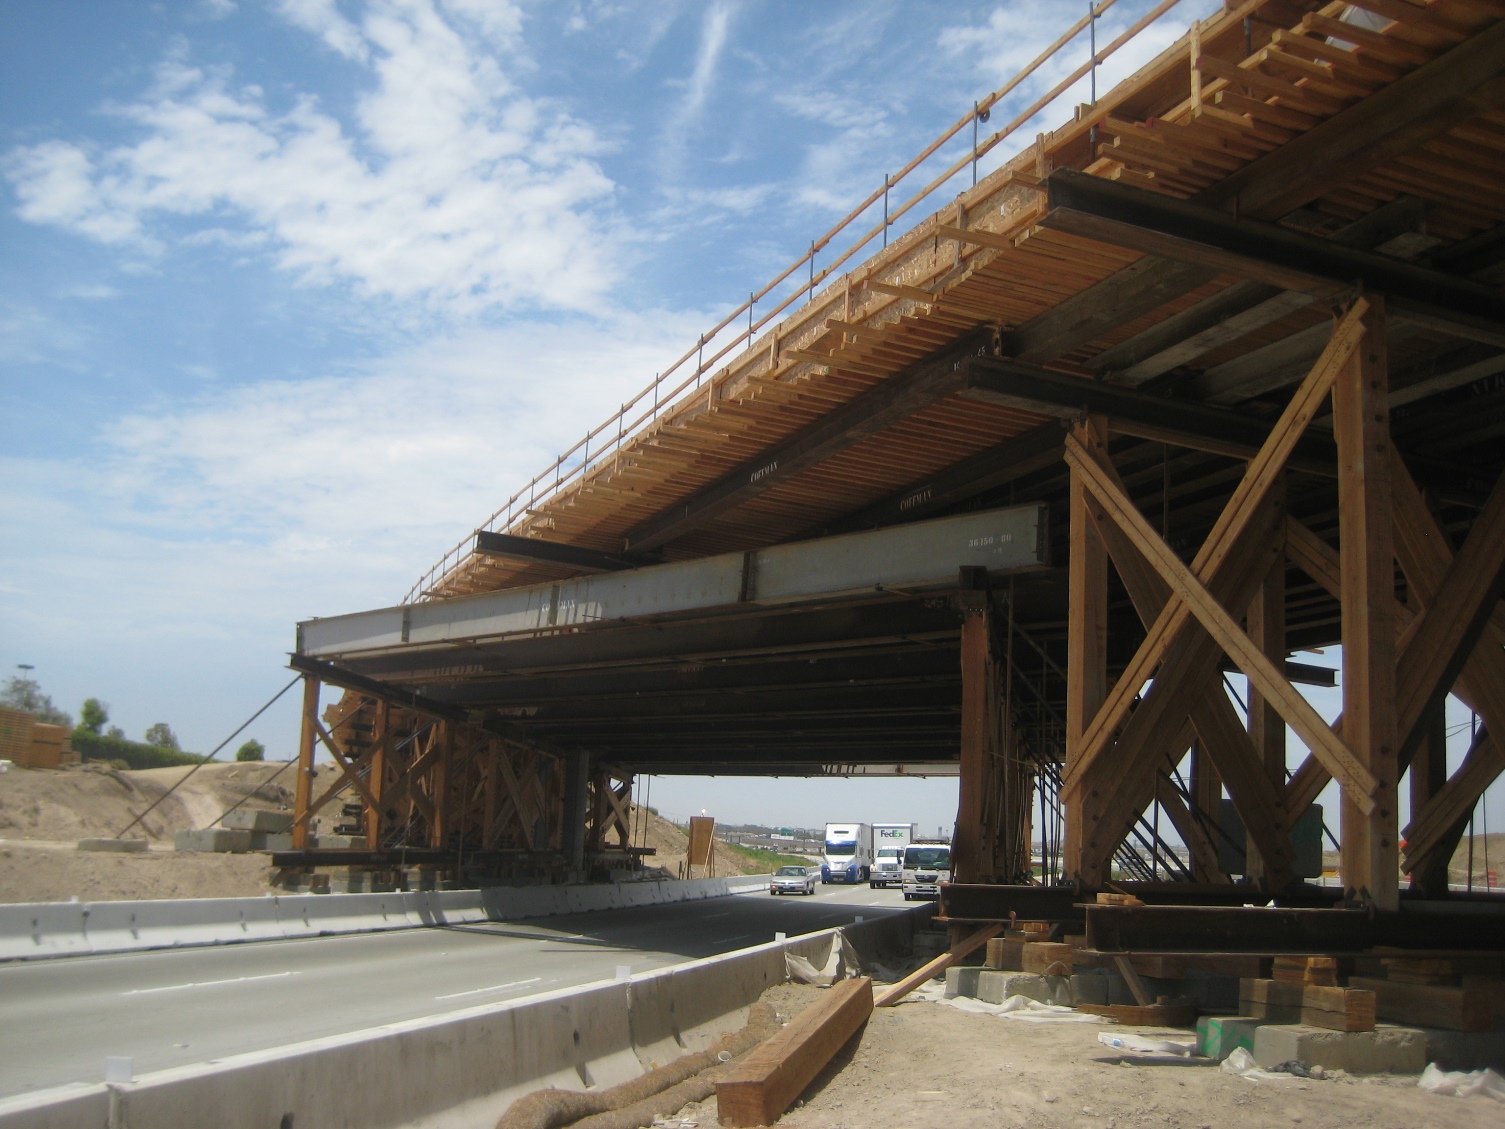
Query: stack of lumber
point(1006, 953)
point(1316, 1005)
point(30, 743)
point(1455, 993)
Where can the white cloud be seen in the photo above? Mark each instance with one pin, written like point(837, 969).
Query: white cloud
point(450, 186)
point(324, 19)
point(686, 115)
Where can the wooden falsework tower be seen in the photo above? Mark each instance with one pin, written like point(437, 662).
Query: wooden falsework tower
point(1236, 332)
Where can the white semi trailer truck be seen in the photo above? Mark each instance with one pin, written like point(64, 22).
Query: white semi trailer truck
point(889, 841)
point(849, 853)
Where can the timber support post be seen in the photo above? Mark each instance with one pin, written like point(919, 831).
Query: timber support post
point(1086, 650)
point(1370, 841)
point(303, 789)
point(972, 860)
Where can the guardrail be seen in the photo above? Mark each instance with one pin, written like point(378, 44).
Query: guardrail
point(467, 1066)
point(34, 931)
point(661, 396)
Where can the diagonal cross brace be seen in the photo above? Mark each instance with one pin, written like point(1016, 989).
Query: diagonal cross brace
point(1191, 595)
point(1222, 541)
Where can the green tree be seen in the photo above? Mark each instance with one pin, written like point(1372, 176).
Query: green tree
point(115, 733)
point(92, 715)
point(252, 750)
point(26, 695)
point(162, 736)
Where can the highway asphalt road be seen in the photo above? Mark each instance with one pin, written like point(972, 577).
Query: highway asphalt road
point(60, 1018)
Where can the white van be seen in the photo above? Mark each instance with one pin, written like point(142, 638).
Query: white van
point(926, 865)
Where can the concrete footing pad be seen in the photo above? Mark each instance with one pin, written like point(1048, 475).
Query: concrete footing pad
point(1385, 1050)
point(220, 839)
point(993, 987)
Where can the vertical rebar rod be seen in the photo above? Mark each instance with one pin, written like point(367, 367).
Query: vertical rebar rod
point(886, 186)
point(974, 144)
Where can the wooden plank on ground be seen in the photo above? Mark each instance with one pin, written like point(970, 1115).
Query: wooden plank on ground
point(1336, 1009)
point(763, 1085)
point(955, 953)
point(1428, 1005)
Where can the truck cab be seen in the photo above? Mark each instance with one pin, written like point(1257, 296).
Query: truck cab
point(849, 853)
point(888, 868)
point(926, 866)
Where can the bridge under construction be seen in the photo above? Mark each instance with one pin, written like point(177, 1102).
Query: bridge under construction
point(1209, 375)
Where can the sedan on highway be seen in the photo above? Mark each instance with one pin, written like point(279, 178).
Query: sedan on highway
point(793, 880)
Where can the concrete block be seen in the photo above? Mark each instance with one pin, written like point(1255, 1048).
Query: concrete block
point(962, 981)
point(1385, 1050)
point(1218, 1036)
point(219, 839)
point(994, 987)
point(42, 929)
point(123, 846)
point(271, 841)
point(1092, 986)
point(1460, 1050)
point(254, 819)
point(338, 842)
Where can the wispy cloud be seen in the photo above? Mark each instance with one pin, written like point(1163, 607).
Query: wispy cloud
point(686, 116)
point(449, 186)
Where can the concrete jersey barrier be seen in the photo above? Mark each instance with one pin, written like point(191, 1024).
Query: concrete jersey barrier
point(464, 1067)
point(35, 930)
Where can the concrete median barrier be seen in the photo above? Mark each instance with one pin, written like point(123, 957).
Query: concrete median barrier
point(318, 915)
point(118, 927)
point(50, 929)
point(42, 929)
point(467, 1066)
point(64, 1107)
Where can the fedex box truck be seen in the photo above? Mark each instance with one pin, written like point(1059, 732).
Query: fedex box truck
point(889, 841)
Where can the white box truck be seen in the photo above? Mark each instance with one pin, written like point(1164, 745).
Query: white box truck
point(889, 841)
point(849, 853)
point(926, 865)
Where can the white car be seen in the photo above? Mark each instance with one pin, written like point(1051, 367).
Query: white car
point(793, 880)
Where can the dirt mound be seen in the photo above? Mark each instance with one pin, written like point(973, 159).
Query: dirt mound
point(94, 801)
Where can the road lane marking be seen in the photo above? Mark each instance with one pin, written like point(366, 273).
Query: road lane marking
point(738, 937)
point(493, 988)
point(208, 983)
point(714, 916)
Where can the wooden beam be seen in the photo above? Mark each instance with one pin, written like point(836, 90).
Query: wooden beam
point(896, 992)
point(757, 1090)
point(1194, 597)
point(1443, 637)
point(303, 787)
point(978, 744)
point(1222, 741)
point(1086, 639)
point(1370, 837)
point(1224, 537)
point(1012, 459)
point(1457, 86)
point(1438, 95)
point(1157, 224)
point(890, 401)
point(535, 550)
point(1266, 621)
point(1181, 423)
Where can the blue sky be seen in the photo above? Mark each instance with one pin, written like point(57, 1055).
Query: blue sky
point(293, 293)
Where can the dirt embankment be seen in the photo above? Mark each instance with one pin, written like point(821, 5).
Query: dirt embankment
point(44, 813)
